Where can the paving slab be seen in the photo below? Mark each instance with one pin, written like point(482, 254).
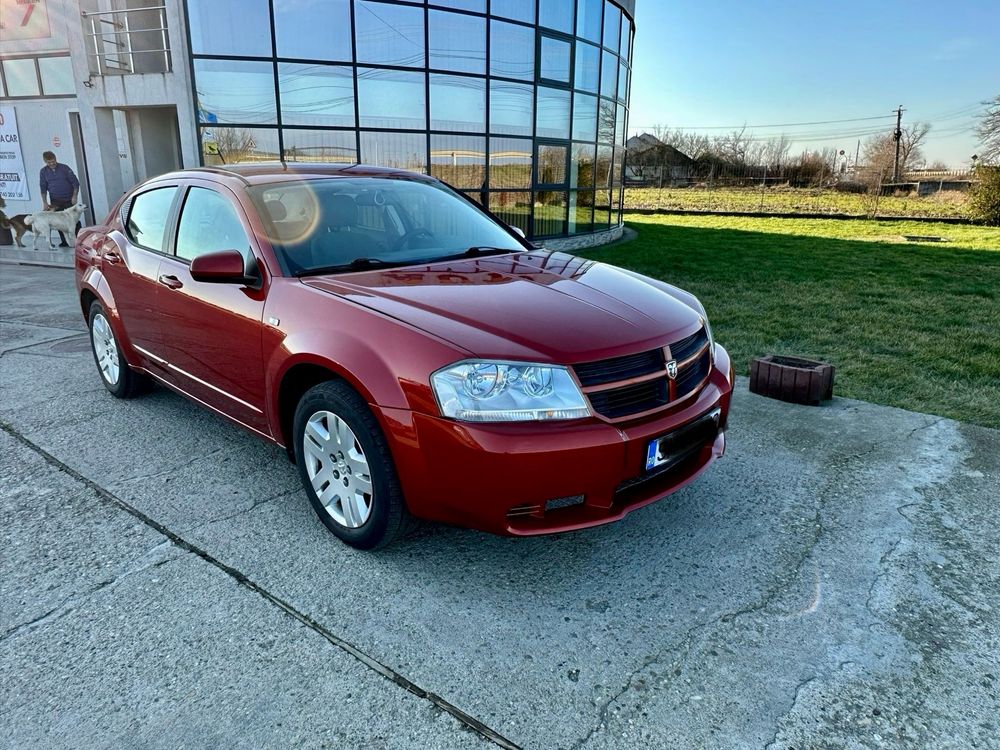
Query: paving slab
point(832, 582)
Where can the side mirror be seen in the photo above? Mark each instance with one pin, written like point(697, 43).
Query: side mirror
point(518, 231)
point(222, 267)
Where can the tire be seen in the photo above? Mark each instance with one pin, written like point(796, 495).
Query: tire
point(117, 376)
point(346, 468)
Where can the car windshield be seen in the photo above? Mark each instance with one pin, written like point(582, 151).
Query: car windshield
point(346, 224)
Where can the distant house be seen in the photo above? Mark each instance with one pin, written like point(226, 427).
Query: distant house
point(650, 161)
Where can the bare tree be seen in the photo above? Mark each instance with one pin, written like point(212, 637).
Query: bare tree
point(733, 147)
point(988, 131)
point(880, 150)
point(230, 145)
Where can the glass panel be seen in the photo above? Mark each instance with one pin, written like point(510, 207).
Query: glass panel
point(606, 122)
point(209, 224)
point(477, 5)
point(230, 28)
point(612, 26)
point(316, 94)
point(588, 67)
point(581, 211)
point(519, 10)
point(584, 117)
point(512, 208)
point(330, 146)
point(602, 209)
point(457, 42)
point(550, 213)
point(512, 50)
point(556, 14)
point(240, 91)
point(397, 150)
point(235, 145)
point(588, 19)
point(147, 219)
point(57, 75)
point(602, 172)
point(22, 80)
point(551, 164)
point(458, 103)
point(391, 99)
point(609, 74)
point(581, 167)
point(617, 167)
point(510, 163)
point(459, 160)
point(552, 118)
point(554, 62)
point(625, 48)
point(315, 29)
point(622, 82)
point(511, 108)
point(620, 126)
point(389, 34)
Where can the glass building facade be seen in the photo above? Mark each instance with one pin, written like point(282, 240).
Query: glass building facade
point(520, 104)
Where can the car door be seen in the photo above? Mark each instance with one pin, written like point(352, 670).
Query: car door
point(212, 331)
point(131, 267)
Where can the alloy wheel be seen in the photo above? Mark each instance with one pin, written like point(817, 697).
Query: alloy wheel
point(105, 349)
point(338, 469)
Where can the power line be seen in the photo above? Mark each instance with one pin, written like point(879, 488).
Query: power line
point(776, 125)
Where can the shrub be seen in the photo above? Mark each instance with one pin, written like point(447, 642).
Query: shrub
point(984, 202)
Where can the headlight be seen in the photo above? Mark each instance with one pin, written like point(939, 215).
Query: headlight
point(485, 391)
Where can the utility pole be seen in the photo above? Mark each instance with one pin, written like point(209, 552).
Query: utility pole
point(897, 136)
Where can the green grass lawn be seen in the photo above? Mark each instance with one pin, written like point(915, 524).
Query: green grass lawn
point(794, 200)
point(915, 325)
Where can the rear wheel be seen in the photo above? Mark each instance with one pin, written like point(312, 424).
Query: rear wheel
point(115, 373)
point(346, 468)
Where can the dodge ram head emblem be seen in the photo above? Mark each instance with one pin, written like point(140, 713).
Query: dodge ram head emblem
point(672, 369)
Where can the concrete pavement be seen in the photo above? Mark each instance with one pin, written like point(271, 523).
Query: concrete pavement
point(834, 581)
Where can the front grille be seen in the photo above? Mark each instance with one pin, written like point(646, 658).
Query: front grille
point(689, 377)
point(687, 347)
point(620, 368)
point(614, 398)
point(631, 399)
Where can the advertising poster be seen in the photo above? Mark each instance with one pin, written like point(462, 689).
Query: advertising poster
point(23, 19)
point(13, 185)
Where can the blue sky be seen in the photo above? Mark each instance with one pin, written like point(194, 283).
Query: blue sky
point(727, 62)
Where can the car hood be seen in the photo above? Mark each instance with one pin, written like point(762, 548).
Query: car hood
point(547, 306)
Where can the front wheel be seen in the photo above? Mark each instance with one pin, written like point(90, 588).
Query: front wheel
point(116, 375)
point(346, 468)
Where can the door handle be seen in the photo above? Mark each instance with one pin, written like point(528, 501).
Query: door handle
point(171, 282)
point(112, 256)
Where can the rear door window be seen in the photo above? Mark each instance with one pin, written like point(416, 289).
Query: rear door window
point(209, 223)
point(148, 216)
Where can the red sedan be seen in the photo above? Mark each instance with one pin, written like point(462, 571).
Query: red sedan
point(416, 357)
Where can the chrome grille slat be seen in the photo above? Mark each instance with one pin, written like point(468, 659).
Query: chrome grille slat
point(621, 397)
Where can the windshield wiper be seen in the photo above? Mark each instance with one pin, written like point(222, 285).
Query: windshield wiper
point(477, 252)
point(358, 264)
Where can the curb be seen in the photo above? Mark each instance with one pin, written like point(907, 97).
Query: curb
point(766, 215)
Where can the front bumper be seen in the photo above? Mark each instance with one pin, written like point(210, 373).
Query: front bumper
point(527, 478)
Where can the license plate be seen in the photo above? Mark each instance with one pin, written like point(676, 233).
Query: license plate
point(675, 445)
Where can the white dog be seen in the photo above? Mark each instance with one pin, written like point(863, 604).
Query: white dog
point(43, 222)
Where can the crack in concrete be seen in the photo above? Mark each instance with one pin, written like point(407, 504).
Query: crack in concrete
point(467, 721)
point(73, 601)
point(685, 644)
point(18, 322)
point(40, 343)
point(171, 470)
point(927, 426)
point(244, 511)
point(795, 699)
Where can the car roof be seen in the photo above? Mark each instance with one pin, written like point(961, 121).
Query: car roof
point(271, 172)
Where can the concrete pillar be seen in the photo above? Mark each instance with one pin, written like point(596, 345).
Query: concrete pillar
point(102, 158)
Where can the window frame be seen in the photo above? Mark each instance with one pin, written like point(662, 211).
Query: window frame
point(4, 88)
point(187, 189)
point(168, 225)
